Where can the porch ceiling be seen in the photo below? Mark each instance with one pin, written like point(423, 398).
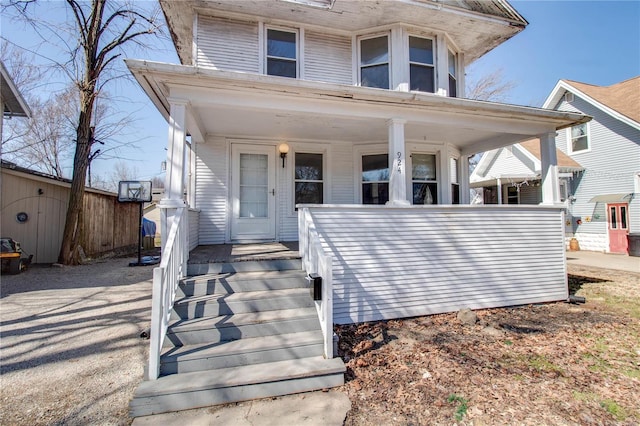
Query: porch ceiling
point(257, 106)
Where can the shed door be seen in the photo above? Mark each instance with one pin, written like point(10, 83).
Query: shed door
point(618, 224)
point(253, 192)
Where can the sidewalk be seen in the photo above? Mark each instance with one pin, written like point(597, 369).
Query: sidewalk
point(620, 262)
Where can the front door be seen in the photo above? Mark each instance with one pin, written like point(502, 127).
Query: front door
point(618, 224)
point(253, 192)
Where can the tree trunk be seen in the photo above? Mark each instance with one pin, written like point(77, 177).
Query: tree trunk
point(73, 224)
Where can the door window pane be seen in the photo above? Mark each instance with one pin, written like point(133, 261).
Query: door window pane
point(254, 180)
point(374, 62)
point(613, 217)
point(375, 179)
point(623, 217)
point(309, 186)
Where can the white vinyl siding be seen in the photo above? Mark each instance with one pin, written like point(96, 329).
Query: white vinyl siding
point(328, 58)
point(417, 261)
point(212, 190)
point(194, 229)
point(227, 45)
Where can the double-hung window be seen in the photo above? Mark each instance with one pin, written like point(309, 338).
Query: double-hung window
point(455, 184)
point(424, 179)
point(282, 53)
point(375, 179)
point(309, 182)
point(374, 62)
point(453, 74)
point(579, 138)
point(421, 64)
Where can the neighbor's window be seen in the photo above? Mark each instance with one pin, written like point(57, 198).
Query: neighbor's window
point(579, 138)
point(424, 179)
point(421, 65)
point(282, 53)
point(309, 185)
point(375, 179)
point(374, 62)
point(512, 195)
point(453, 75)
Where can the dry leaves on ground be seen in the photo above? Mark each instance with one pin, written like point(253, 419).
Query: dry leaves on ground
point(540, 364)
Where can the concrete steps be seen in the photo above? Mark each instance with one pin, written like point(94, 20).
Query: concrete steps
point(237, 336)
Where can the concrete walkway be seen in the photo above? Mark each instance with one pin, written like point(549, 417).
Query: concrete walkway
point(313, 408)
point(620, 262)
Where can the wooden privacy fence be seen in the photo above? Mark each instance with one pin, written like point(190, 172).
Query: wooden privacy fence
point(108, 224)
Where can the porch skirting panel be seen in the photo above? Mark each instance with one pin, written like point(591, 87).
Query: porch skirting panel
point(419, 260)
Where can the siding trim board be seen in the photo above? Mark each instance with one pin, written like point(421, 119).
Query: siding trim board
point(420, 260)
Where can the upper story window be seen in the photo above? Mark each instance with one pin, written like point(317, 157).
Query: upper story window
point(374, 62)
point(421, 64)
point(579, 139)
point(282, 53)
point(453, 74)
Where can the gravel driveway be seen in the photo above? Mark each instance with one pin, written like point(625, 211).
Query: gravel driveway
point(70, 351)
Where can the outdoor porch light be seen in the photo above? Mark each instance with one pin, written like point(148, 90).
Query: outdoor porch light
point(283, 149)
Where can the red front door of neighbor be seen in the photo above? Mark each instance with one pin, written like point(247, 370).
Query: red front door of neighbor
point(618, 224)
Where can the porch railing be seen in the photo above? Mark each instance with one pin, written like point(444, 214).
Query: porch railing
point(315, 260)
point(166, 277)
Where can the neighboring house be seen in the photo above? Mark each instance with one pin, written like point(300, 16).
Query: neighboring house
point(33, 210)
point(599, 165)
point(342, 125)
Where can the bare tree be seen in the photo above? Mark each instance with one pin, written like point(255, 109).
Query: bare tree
point(123, 171)
point(491, 87)
point(101, 31)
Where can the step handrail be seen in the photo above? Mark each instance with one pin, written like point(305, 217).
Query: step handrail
point(166, 277)
point(316, 260)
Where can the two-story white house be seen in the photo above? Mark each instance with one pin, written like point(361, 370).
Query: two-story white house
point(598, 161)
point(342, 125)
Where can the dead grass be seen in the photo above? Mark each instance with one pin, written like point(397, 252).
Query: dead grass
point(554, 364)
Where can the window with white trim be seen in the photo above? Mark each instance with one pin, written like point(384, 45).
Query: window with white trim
point(424, 178)
point(579, 139)
point(374, 62)
point(375, 178)
point(282, 53)
point(422, 72)
point(453, 74)
point(455, 184)
point(308, 179)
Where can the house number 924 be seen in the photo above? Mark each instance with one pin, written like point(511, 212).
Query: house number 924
point(399, 162)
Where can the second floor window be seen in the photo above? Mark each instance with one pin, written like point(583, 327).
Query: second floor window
point(282, 53)
point(453, 75)
point(374, 62)
point(421, 64)
point(579, 138)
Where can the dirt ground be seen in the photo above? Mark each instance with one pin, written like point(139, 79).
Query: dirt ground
point(70, 351)
point(551, 364)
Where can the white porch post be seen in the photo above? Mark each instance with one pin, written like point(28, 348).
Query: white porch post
point(444, 181)
point(549, 162)
point(463, 164)
point(174, 179)
point(397, 164)
point(499, 184)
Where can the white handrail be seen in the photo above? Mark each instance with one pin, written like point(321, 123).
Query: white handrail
point(315, 260)
point(165, 283)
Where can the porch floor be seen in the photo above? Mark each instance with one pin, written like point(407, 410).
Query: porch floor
point(227, 253)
